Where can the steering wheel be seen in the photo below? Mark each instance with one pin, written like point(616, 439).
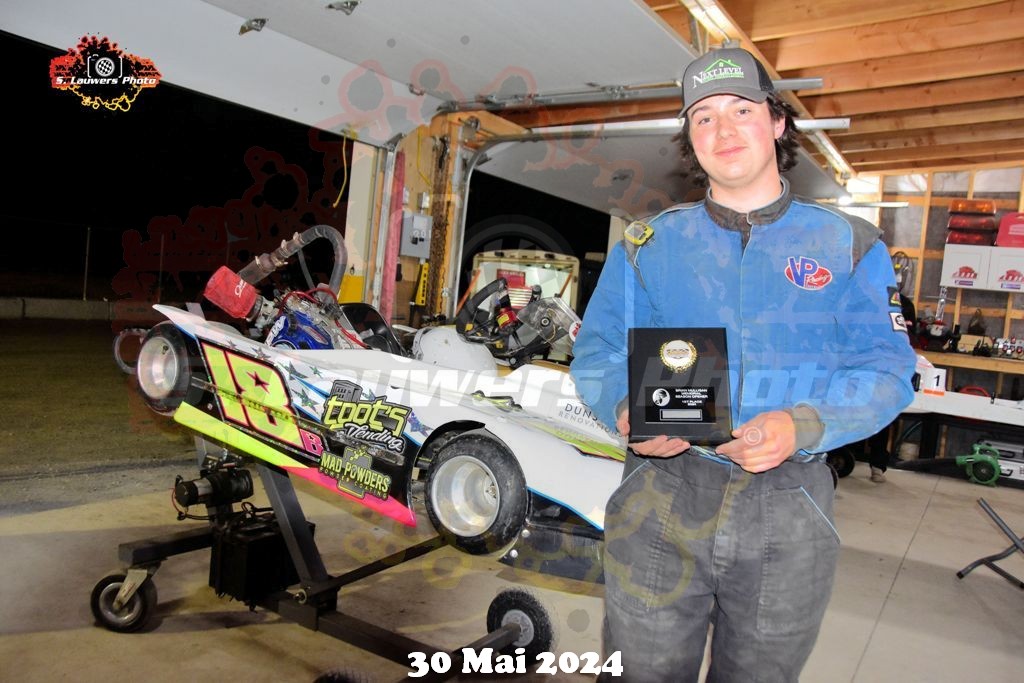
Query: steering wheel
point(491, 326)
point(478, 324)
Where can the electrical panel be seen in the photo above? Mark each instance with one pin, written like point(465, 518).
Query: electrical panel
point(416, 229)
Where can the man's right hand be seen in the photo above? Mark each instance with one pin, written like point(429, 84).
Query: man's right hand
point(658, 447)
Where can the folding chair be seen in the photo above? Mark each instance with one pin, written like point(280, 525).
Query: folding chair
point(1018, 544)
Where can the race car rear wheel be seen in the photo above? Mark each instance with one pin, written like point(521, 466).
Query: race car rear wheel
point(165, 368)
point(476, 494)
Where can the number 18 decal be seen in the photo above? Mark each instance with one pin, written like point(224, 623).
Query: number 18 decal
point(252, 394)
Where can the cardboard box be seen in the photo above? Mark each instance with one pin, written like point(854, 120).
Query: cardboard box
point(1011, 230)
point(1006, 270)
point(966, 266)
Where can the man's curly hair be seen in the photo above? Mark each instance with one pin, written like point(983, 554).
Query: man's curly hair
point(785, 146)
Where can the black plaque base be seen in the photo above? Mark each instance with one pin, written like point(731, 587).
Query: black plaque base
point(679, 385)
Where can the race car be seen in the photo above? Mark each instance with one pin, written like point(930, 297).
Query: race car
point(327, 392)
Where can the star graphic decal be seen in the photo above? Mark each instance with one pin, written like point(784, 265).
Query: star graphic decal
point(293, 372)
point(307, 402)
point(260, 353)
point(316, 371)
point(258, 381)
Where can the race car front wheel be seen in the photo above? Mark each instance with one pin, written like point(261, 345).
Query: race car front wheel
point(476, 494)
point(167, 362)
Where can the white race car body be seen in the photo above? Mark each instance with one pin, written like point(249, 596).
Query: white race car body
point(359, 421)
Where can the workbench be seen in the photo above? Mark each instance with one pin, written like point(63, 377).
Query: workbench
point(1004, 419)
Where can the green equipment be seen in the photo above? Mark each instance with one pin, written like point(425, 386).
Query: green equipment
point(982, 465)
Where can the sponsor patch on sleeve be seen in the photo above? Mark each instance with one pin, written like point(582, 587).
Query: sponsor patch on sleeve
point(899, 324)
point(894, 297)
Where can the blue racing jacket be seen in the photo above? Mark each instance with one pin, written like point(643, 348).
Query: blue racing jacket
point(806, 295)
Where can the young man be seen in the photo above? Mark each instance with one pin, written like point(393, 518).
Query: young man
point(740, 536)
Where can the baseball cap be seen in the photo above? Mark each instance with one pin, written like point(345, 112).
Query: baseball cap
point(727, 71)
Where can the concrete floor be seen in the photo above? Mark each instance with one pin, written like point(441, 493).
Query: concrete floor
point(898, 612)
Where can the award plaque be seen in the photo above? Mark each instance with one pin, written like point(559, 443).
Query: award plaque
point(679, 384)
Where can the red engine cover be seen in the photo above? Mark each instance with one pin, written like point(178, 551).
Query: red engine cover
point(230, 293)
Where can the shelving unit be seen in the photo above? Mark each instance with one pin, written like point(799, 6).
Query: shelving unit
point(935, 189)
point(965, 360)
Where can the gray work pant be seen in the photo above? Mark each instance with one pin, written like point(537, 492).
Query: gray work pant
point(754, 554)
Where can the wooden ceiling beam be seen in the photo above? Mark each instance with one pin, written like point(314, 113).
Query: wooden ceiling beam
point(946, 135)
point(940, 65)
point(915, 154)
point(767, 19)
point(931, 117)
point(569, 115)
point(948, 164)
point(971, 26)
point(675, 15)
point(979, 89)
point(976, 163)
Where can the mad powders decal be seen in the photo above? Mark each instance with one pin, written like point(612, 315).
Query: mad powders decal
point(102, 74)
point(806, 273)
point(355, 474)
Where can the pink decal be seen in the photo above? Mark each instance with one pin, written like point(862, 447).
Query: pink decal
point(311, 442)
point(390, 507)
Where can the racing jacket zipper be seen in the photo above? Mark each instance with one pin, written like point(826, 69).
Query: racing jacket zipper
point(744, 243)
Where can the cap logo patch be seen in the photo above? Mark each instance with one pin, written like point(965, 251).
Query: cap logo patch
point(717, 70)
point(806, 273)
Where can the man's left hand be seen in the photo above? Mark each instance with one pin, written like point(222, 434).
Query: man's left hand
point(762, 443)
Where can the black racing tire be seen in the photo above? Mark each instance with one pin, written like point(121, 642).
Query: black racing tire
point(537, 632)
point(842, 461)
point(168, 361)
point(476, 494)
point(127, 367)
point(133, 615)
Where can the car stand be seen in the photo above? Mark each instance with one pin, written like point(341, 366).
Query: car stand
point(242, 552)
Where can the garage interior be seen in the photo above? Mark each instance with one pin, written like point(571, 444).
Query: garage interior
point(907, 108)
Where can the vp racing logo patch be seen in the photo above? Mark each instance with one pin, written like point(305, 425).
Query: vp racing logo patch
point(806, 273)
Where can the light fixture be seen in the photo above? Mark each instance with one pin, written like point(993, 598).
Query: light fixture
point(709, 15)
point(255, 24)
point(849, 202)
point(822, 124)
point(348, 6)
point(813, 83)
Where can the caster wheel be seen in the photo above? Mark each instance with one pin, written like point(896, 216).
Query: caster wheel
point(133, 615)
point(842, 461)
point(536, 630)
